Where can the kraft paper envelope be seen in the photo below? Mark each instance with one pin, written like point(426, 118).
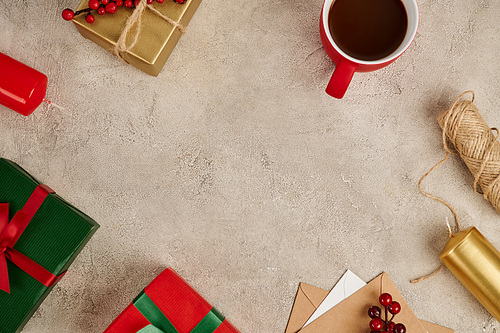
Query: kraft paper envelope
point(352, 313)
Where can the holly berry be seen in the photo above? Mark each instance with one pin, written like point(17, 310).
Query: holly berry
point(90, 18)
point(110, 8)
point(376, 324)
point(94, 4)
point(399, 328)
point(106, 6)
point(374, 312)
point(394, 308)
point(68, 14)
point(385, 299)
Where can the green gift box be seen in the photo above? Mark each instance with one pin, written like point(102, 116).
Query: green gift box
point(40, 236)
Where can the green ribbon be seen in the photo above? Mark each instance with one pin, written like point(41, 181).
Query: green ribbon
point(209, 323)
point(161, 324)
point(150, 329)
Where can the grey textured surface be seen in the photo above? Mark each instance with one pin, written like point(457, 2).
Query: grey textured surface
point(235, 168)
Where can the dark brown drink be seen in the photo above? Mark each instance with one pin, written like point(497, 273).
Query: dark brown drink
point(368, 29)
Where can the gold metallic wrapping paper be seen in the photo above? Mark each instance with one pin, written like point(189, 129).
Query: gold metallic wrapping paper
point(476, 263)
point(157, 37)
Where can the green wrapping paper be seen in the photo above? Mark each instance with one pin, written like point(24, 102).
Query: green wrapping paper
point(54, 237)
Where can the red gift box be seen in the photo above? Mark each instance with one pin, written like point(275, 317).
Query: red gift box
point(170, 305)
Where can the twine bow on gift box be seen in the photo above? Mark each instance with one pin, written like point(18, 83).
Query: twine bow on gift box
point(161, 324)
point(136, 17)
point(11, 232)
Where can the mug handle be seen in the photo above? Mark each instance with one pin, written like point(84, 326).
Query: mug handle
point(341, 77)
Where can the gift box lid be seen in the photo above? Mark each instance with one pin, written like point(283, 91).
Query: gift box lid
point(55, 235)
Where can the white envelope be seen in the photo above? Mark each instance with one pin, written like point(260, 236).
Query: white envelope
point(348, 284)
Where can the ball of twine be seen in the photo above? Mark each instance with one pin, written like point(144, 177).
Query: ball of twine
point(477, 145)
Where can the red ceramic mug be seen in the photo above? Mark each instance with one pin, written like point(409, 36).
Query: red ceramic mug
point(346, 65)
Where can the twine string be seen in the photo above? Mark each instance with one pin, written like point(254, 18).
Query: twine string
point(455, 215)
point(382, 283)
point(168, 19)
point(136, 17)
point(483, 165)
point(428, 276)
point(452, 120)
point(457, 113)
point(53, 104)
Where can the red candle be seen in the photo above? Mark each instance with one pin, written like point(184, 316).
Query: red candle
point(22, 88)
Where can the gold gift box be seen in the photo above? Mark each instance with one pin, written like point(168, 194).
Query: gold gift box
point(157, 37)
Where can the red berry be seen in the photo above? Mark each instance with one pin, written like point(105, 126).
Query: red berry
point(94, 4)
point(119, 3)
point(374, 312)
point(68, 14)
point(149, 2)
point(394, 308)
point(90, 18)
point(111, 8)
point(399, 328)
point(385, 299)
point(376, 324)
point(390, 327)
point(136, 2)
point(180, 1)
point(160, 1)
point(104, 2)
point(128, 3)
point(101, 11)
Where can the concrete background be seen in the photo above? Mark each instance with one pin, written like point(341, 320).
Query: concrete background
point(235, 168)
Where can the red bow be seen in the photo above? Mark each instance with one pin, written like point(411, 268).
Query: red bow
point(10, 233)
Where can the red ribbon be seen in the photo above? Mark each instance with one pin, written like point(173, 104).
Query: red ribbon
point(10, 233)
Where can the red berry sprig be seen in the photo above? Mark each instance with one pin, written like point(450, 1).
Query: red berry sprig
point(386, 325)
point(106, 7)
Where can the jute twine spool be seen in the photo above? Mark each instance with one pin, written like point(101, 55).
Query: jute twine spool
point(136, 17)
point(477, 146)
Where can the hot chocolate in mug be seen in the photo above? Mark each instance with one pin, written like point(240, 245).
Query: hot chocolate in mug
point(365, 35)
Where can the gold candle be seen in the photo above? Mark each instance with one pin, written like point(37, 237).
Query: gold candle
point(476, 264)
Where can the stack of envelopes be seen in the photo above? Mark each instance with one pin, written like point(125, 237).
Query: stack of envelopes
point(318, 310)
